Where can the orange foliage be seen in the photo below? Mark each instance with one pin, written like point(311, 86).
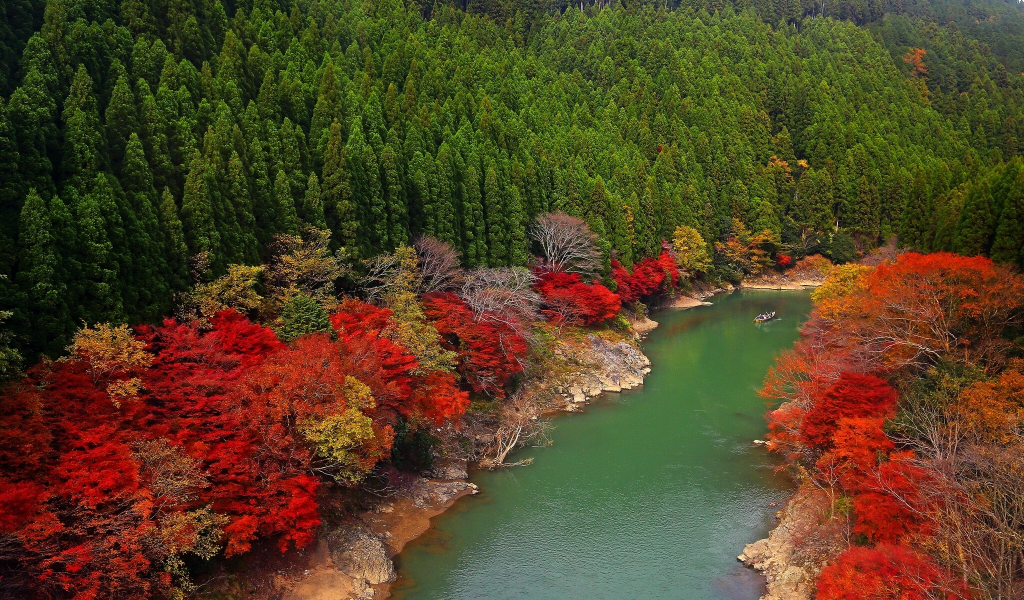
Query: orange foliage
point(853, 395)
point(922, 307)
point(885, 572)
point(915, 58)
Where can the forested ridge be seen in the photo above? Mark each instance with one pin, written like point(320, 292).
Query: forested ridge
point(335, 227)
point(137, 135)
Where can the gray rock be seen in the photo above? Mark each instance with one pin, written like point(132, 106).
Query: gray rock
point(450, 469)
point(360, 554)
point(361, 590)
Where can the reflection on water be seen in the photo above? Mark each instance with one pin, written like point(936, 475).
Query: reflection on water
point(649, 494)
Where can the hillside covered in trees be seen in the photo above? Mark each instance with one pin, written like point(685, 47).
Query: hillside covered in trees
point(902, 408)
point(135, 136)
point(333, 226)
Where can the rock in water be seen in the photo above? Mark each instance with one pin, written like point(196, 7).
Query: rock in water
point(360, 554)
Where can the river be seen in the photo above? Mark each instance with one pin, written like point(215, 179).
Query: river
point(649, 494)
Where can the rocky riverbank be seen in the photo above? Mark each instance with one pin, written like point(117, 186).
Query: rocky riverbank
point(798, 548)
point(353, 559)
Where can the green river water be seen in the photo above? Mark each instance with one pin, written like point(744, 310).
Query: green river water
point(649, 494)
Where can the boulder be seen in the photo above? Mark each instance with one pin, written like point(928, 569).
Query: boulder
point(360, 554)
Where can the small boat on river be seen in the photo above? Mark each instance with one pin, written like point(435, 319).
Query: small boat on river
point(764, 317)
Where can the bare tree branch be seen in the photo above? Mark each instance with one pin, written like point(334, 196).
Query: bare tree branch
point(567, 243)
point(439, 265)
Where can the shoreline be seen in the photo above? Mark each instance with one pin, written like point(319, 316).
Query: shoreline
point(354, 559)
point(366, 571)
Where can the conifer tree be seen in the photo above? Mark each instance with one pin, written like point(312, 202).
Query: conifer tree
point(474, 242)
point(241, 203)
point(312, 204)
point(497, 234)
point(1008, 246)
point(144, 238)
point(33, 113)
point(83, 141)
point(337, 189)
point(38, 276)
point(174, 240)
point(101, 290)
point(287, 218)
point(977, 224)
point(397, 212)
point(201, 235)
point(121, 121)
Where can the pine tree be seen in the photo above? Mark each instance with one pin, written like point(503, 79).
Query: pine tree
point(394, 198)
point(444, 222)
point(977, 224)
point(201, 236)
point(174, 240)
point(376, 221)
point(33, 114)
point(312, 204)
point(145, 240)
point(121, 121)
point(45, 293)
point(101, 293)
point(337, 190)
point(83, 140)
point(287, 218)
point(328, 106)
point(497, 235)
point(518, 243)
point(916, 221)
point(1008, 246)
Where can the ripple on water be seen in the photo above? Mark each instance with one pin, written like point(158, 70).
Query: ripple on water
point(649, 496)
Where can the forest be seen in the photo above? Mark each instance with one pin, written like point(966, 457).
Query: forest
point(136, 136)
point(252, 250)
point(903, 405)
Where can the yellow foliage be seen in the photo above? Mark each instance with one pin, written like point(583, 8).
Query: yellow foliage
point(304, 265)
point(109, 350)
point(842, 280)
point(234, 290)
point(196, 532)
point(691, 249)
point(410, 329)
point(395, 278)
point(339, 437)
point(124, 390)
point(994, 410)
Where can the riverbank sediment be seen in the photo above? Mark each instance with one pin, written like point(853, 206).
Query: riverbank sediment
point(353, 560)
point(352, 557)
point(798, 548)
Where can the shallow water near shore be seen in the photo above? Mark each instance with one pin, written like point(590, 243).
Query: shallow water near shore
point(649, 494)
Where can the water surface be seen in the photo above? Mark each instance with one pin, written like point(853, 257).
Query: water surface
point(649, 494)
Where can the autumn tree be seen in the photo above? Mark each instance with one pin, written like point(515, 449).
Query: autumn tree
point(566, 243)
point(690, 250)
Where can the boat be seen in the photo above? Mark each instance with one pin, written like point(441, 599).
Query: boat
point(765, 316)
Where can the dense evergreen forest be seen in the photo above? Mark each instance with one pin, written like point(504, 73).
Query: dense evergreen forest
point(137, 135)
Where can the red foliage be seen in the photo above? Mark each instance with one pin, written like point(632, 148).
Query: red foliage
point(91, 490)
point(925, 306)
point(372, 357)
point(568, 300)
point(490, 351)
point(784, 261)
point(888, 509)
point(885, 572)
point(852, 395)
point(915, 58)
point(650, 276)
point(376, 360)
